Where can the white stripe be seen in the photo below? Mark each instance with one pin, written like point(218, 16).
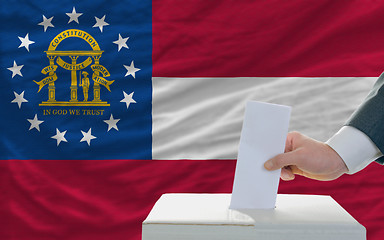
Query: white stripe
point(201, 118)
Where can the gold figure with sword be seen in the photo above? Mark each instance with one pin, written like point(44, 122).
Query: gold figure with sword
point(84, 83)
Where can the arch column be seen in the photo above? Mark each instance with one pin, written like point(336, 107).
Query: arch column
point(96, 86)
point(51, 86)
point(73, 80)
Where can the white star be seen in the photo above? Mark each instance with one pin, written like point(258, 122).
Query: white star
point(15, 69)
point(46, 23)
point(59, 136)
point(112, 123)
point(87, 136)
point(19, 99)
point(35, 123)
point(25, 42)
point(128, 99)
point(131, 70)
point(74, 16)
point(100, 23)
point(121, 42)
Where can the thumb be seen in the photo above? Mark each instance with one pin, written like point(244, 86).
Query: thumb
point(281, 160)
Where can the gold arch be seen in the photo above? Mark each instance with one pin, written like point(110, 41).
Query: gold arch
point(94, 54)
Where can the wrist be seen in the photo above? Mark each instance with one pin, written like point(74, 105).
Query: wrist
point(340, 167)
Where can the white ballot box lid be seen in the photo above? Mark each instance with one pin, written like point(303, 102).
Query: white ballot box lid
point(207, 216)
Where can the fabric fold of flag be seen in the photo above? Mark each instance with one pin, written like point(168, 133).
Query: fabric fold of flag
point(106, 105)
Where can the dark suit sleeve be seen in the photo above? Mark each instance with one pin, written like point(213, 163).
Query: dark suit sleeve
point(369, 116)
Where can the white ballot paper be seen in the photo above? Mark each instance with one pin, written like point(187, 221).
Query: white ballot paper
point(263, 136)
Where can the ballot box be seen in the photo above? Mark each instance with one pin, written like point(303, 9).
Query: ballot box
point(208, 217)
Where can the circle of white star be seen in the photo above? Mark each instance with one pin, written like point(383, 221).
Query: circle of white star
point(25, 42)
point(16, 69)
point(121, 42)
point(46, 23)
point(35, 123)
point(128, 99)
point(59, 136)
point(131, 70)
point(100, 23)
point(112, 123)
point(74, 16)
point(87, 136)
point(19, 99)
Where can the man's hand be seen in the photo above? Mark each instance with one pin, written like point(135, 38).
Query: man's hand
point(307, 157)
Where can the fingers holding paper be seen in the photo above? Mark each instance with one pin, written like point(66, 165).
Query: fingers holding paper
point(307, 157)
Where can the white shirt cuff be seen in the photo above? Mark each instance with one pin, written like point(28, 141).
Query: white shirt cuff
point(355, 148)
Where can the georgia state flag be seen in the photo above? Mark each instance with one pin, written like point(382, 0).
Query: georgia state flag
point(79, 80)
point(97, 97)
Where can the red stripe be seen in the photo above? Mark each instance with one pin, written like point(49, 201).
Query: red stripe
point(267, 38)
point(105, 199)
point(109, 199)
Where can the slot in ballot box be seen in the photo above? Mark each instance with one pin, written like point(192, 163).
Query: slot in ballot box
point(208, 217)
